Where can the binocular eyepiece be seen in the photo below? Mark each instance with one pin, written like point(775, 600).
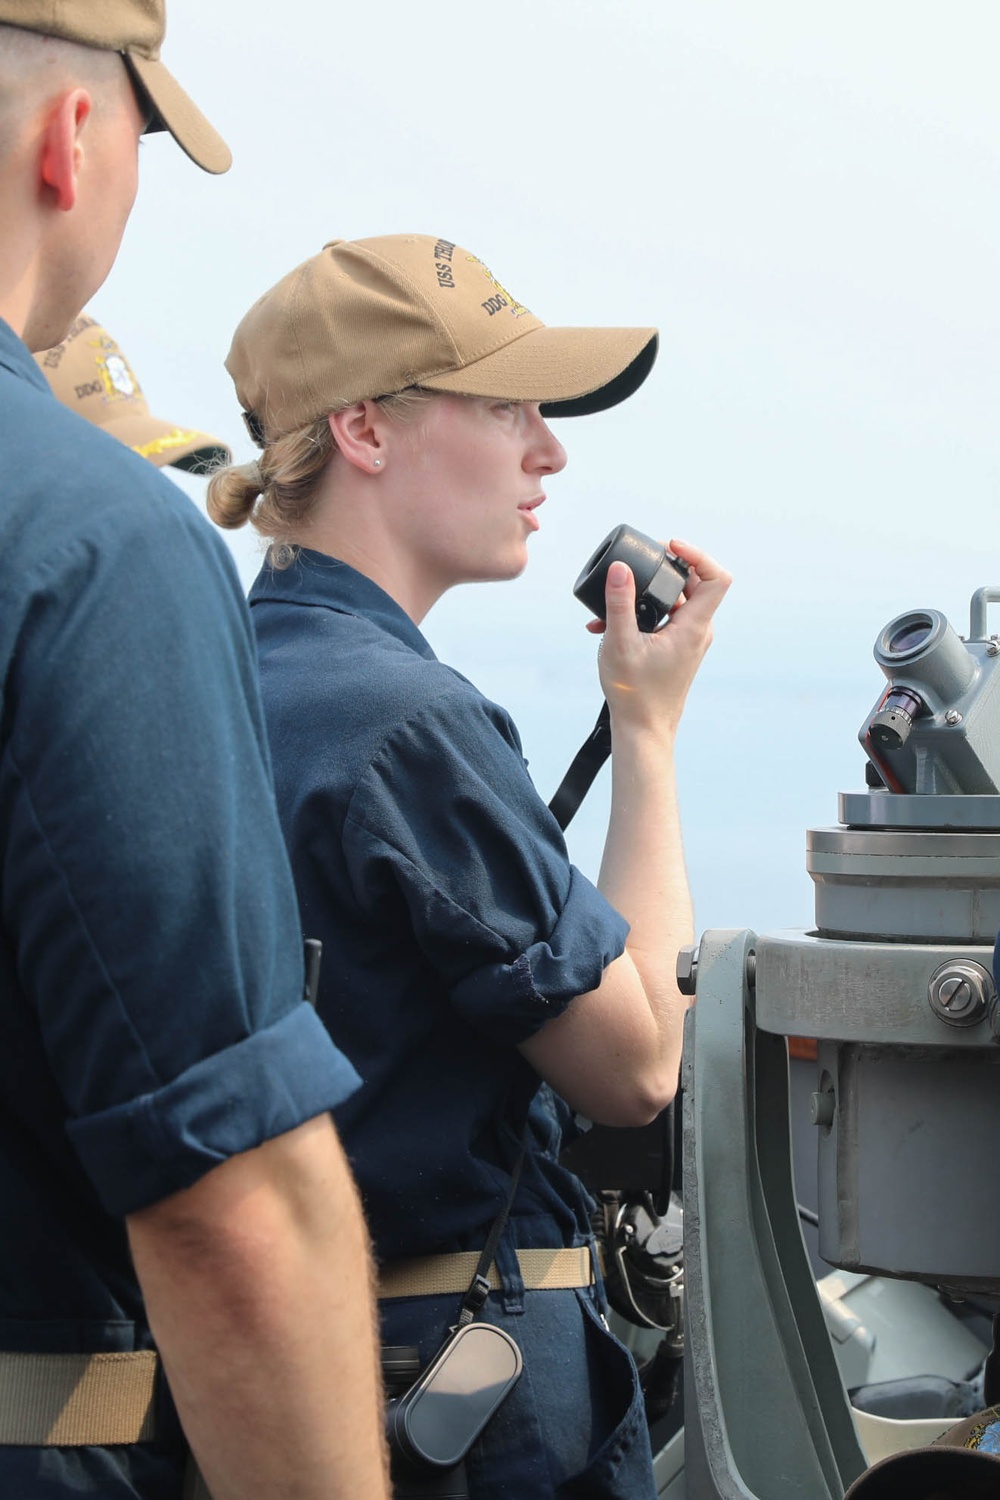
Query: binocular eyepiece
point(659, 576)
point(931, 729)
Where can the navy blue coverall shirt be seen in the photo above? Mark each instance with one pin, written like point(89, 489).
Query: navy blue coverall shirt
point(151, 1023)
point(453, 927)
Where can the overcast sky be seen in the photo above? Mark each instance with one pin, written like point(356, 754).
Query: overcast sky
point(803, 198)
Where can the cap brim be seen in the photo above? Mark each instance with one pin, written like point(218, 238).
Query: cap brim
point(570, 371)
point(162, 444)
point(176, 112)
point(925, 1472)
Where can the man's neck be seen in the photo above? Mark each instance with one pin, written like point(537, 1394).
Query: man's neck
point(18, 276)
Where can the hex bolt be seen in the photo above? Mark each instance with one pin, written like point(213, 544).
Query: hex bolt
point(993, 649)
point(953, 716)
point(960, 992)
point(994, 1009)
point(687, 970)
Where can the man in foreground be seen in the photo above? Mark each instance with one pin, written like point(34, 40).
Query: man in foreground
point(163, 1090)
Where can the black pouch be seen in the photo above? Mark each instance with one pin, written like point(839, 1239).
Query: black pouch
point(439, 1418)
point(433, 1424)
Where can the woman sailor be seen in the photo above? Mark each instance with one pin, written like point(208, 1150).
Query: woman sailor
point(401, 395)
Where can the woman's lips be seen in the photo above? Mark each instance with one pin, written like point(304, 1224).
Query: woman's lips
point(528, 511)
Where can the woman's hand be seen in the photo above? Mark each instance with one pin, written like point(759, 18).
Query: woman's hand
point(646, 677)
point(614, 1053)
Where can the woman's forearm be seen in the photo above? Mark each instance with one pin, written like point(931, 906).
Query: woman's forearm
point(643, 876)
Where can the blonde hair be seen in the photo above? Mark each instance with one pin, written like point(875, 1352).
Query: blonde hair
point(278, 491)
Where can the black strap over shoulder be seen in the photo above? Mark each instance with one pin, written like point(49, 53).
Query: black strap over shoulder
point(586, 763)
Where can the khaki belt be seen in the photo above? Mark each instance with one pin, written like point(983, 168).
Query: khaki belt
point(446, 1275)
point(76, 1400)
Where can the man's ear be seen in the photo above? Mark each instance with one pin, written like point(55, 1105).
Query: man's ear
point(359, 435)
point(62, 148)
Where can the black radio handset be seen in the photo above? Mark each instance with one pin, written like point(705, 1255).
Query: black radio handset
point(659, 582)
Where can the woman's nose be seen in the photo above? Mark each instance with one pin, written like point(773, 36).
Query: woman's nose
point(547, 451)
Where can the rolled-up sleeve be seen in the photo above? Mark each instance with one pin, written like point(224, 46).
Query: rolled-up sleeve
point(146, 887)
point(509, 1001)
point(141, 1150)
point(448, 821)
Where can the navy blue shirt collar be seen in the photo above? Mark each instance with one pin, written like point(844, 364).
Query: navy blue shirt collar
point(316, 578)
point(16, 357)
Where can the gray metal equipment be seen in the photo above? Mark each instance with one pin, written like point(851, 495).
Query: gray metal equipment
point(896, 984)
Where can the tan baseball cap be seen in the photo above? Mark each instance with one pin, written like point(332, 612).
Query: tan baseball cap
point(366, 318)
point(90, 375)
point(135, 28)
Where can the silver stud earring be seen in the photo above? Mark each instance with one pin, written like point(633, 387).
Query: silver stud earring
point(377, 463)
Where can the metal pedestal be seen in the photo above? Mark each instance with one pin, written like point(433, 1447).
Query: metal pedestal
point(766, 1417)
point(896, 986)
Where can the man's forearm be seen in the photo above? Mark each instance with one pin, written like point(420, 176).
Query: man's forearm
point(258, 1288)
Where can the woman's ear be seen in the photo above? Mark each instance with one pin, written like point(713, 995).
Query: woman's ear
point(62, 148)
point(359, 435)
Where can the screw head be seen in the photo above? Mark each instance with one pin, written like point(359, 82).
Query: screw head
point(953, 716)
point(960, 991)
point(955, 994)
